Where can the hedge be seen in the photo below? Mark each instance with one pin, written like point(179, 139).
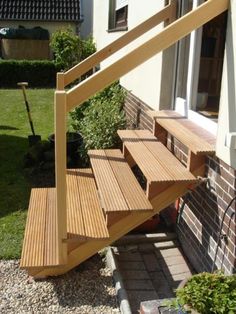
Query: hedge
point(36, 73)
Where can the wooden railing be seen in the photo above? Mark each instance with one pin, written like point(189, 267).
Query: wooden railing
point(66, 101)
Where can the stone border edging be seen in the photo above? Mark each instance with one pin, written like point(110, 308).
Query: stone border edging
point(119, 286)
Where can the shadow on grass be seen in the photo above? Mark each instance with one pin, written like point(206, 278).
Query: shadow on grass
point(7, 127)
point(14, 187)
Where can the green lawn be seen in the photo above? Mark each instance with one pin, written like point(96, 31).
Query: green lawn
point(14, 185)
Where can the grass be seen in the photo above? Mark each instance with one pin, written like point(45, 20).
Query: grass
point(14, 185)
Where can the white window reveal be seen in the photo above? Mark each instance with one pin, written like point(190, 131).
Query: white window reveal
point(121, 3)
point(226, 137)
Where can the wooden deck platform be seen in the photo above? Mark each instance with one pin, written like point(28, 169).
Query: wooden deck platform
point(197, 139)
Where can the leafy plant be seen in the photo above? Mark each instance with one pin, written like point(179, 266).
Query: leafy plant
point(69, 48)
point(209, 293)
point(88, 47)
point(99, 118)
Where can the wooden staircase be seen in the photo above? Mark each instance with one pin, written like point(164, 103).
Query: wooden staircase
point(91, 208)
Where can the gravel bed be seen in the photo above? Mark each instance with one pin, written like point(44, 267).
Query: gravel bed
point(86, 289)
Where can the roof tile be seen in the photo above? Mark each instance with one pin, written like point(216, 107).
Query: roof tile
point(44, 10)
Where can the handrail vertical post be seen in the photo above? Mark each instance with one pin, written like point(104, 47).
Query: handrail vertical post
point(60, 81)
point(60, 171)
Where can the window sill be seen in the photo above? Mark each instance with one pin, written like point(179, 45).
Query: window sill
point(118, 29)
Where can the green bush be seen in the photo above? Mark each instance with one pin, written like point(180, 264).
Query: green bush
point(88, 47)
point(69, 49)
point(209, 293)
point(99, 118)
point(66, 47)
point(36, 73)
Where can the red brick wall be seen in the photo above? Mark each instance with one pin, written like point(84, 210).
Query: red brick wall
point(201, 214)
point(135, 113)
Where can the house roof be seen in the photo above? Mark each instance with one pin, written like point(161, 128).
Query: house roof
point(41, 10)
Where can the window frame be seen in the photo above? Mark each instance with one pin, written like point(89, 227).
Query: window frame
point(115, 25)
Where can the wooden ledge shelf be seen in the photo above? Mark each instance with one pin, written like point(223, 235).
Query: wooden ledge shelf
point(195, 138)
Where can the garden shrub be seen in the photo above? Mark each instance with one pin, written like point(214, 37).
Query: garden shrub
point(36, 73)
point(99, 118)
point(209, 293)
point(69, 49)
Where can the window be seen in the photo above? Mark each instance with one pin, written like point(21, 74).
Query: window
point(199, 72)
point(118, 15)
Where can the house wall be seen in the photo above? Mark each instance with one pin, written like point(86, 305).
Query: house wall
point(155, 69)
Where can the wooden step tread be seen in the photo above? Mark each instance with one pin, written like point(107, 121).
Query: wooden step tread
point(197, 139)
point(40, 246)
point(85, 218)
point(155, 161)
point(118, 187)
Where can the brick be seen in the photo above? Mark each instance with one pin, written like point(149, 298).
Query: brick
point(135, 274)
point(161, 285)
point(132, 284)
point(176, 269)
point(169, 253)
point(146, 247)
point(129, 256)
point(124, 265)
point(151, 262)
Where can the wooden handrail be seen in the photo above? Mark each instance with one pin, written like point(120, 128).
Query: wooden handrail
point(164, 39)
point(66, 101)
point(83, 67)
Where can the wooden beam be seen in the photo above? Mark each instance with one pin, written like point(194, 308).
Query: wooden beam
point(60, 81)
point(60, 171)
point(167, 37)
point(93, 60)
point(160, 133)
point(196, 164)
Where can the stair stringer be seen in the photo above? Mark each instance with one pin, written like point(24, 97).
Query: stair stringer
point(116, 231)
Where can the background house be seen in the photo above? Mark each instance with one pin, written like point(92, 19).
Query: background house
point(195, 77)
point(50, 15)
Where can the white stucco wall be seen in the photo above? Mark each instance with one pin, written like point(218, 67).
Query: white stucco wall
point(227, 114)
point(144, 81)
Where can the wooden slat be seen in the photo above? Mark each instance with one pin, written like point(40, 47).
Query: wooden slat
point(94, 221)
point(110, 192)
point(75, 224)
point(198, 140)
point(51, 246)
point(40, 246)
point(33, 245)
point(119, 190)
point(164, 157)
point(154, 160)
point(143, 157)
point(133, 193)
